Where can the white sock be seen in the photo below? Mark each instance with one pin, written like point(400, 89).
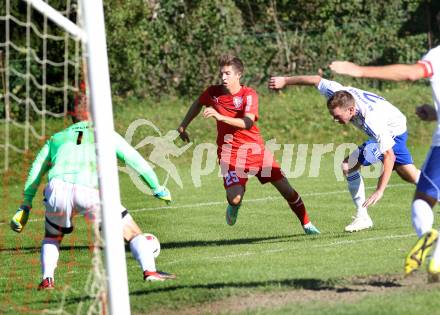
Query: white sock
point(418, 178)
point(357, 190)
point(50, 251)
point(143, 253)
point(421, 216)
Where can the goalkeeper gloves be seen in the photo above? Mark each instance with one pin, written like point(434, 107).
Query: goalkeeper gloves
point(20, 218)
point(162, 193)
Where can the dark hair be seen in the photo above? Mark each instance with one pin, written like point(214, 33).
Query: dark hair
point(341, 99)
point(230, 60)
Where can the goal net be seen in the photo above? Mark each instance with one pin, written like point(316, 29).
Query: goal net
point(43, 50)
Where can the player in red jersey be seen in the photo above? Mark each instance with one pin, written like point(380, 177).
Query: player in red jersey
point(240, 147)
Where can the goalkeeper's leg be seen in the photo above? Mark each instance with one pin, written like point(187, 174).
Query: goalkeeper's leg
point(58, 204)
point(50, 252)
point(141, 250)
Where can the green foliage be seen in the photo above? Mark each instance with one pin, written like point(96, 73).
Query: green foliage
point(172, 46)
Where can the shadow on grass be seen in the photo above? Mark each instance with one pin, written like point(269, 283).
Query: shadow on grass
point(337, 285)
point(249, 240)
point(200, 243)
point(304, 284)
point(37, 249)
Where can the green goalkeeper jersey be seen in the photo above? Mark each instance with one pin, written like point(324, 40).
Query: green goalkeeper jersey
point(69, 155)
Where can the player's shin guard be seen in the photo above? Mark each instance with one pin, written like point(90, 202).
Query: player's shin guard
point(357, 191)
point(140, 249)
point(297, 206)
point(50, 252)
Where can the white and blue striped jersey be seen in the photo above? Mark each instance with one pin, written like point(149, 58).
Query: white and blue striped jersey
point(375, 116)
point(431, 64)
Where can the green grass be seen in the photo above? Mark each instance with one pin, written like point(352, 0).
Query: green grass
point(239, 269)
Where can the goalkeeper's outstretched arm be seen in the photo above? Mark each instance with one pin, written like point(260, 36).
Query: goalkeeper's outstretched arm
point(126, 153)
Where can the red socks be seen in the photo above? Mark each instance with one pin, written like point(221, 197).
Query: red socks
point(297, 206)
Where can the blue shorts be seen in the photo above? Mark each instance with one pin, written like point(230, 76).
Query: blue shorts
point(429, 182)
point(369, 151)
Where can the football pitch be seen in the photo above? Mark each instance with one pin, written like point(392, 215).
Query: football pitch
point(262, 265)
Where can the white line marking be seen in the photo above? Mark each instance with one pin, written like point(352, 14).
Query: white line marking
point(216, 203)
point(268, 251)
point(250, 253)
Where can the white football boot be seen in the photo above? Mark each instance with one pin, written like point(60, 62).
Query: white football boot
point(359, 223)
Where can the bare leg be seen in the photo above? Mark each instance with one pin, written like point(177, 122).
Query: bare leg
point(408, 173)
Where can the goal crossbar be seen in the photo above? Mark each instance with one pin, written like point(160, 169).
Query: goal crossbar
point(59, 19)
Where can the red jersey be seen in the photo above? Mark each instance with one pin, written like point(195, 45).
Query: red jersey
point(236, 106)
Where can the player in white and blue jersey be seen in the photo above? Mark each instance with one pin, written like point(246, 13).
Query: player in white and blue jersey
point(386, 128)
point(428, 188)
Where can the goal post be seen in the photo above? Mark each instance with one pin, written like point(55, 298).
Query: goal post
point(92, 34)
point(102, 114)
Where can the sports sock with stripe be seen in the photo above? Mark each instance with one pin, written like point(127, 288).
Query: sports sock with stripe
point(297, 206)
point(357, 191)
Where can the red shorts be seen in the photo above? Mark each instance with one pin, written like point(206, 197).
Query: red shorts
point(239, 176)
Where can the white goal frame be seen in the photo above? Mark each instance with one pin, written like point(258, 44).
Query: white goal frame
point(94, 41)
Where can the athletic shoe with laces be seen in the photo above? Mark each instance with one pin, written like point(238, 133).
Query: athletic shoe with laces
point(231, 214)
point(359, 223)
point(419, 251)
point(310, 229)
point(157, 276)
point(433, 271)
point(46, 284)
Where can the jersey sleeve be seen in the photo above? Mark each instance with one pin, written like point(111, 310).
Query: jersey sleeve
point(431, 62)
point(206, 98)
point(251, 104)
point(327, 87)
point(39, 168)
point(133, 159)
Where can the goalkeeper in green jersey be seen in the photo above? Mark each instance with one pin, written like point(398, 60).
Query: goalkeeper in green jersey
point(68, 158)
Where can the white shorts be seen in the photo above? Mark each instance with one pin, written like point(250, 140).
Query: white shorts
point(64, 200)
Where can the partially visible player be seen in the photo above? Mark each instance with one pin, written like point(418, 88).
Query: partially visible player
point(428, 189)
point(385, 126)
point(68, 158)
point(241, 150)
